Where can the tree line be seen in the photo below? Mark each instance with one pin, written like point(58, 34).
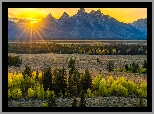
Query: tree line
point(133, 67)
point(96, 49)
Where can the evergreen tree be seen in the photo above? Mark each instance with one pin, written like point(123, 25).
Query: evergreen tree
point(52, 100)
point(82, 101)
point(73, 78)
point(135, 67)
point(74, 103)
point(27, 71)
point(71, 63)
point(47, 79)
point(133, 64)
point(145, 64)
point(126, 67)
point(110, 66)
point(14, 61)
point(60, 81)
point(86, 81)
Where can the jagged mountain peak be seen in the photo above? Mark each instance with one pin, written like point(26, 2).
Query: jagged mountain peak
point(140, 24)
point(98, 11)
point(81, 11)
point(65, 15)
point(142, 20)
point(23, 21)
point(49, 16)
point(83, 25)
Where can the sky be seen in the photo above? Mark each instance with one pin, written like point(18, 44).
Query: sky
point(126, 15)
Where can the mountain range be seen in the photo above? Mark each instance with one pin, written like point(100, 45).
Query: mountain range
point(81, 26)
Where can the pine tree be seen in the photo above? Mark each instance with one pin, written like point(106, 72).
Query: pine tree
point(74, 103)
point(145, 64)
point(86, 81)
point(82, 101)
point(47, 79)
point(71, 65)
point(27, 71)
point(110, 66)
point(52, 100)
point(126, 67)
point(60, 81)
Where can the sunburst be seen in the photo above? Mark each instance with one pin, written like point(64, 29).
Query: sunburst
point(30, 33)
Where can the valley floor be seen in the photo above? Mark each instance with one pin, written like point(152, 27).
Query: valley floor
point(83, 61)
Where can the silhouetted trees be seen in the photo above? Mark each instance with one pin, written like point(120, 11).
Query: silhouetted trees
point(145, 64)
point(126, 67)
point(14, 61)
point(110, 66)
point(47, 79)
point(73, 79)
point(52, 100)
point(135, 68)
point(27, 71)
point(82, 101)
point(60, 81)
point(86, 81)
point(74, 103)
point(112, 49)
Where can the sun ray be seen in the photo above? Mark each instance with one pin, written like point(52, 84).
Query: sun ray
point(16, 31)
point(31, 34)
point(37, 35)
point(34, 34)
point(18, 37)
point(42, 40)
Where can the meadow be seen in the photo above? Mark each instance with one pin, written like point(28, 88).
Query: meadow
point(75, 77)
